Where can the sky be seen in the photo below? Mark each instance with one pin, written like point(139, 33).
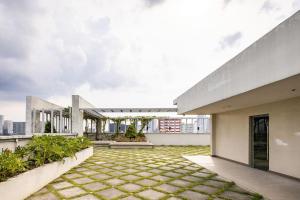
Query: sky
point(116, 53)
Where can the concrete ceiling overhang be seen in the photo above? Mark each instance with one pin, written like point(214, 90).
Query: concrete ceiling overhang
point(277, 91)
point(130, 110)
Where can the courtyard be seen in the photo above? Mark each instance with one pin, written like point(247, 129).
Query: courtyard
point(149, 174)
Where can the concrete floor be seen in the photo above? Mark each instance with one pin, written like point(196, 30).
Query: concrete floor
point(270, 185)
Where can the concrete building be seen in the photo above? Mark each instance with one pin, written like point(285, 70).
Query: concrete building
point(169, 125)
point(1, 124)
point(19, 128)
point(8, 127)
point(254, 101)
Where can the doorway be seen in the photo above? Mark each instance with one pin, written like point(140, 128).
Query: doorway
point(259, 142)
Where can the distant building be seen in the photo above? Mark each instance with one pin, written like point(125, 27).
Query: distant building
point(170, 125)
point(19, 128)
point(1, 124)
point(8, 127)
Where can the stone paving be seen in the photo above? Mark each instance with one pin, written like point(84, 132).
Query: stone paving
point(147, 174)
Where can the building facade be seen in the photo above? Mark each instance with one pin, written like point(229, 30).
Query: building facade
point(254, 101)
point(19, 128)
point(8, 127)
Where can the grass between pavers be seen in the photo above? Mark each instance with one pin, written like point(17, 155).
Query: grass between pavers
point(113, 169)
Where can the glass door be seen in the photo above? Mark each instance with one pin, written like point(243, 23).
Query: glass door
point(259, 157)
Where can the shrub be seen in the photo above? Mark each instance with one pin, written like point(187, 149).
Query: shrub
point(11, 164)
point(131, 131)
point(40, 150)
point(46, 149)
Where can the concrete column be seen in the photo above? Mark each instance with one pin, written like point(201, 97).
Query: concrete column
point(43, 121)
point(28, 126)
point(61, 122)
point(98, 128)
point(212, 127)
point(33, 120)
point(77, 116)
point(51, 121)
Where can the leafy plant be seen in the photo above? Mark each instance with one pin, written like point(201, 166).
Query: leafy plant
point(131, 131)
point(40, 150)
point(11, 164)
point(145, 121)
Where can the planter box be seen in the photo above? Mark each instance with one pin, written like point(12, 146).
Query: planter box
point(25, 184)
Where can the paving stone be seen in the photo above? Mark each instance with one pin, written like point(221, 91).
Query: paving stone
point(130, 198)
point(205, 189)
point(235, 188)
point(182, 171)
point(101, 176)
point(89, 172)
point(167, 188)
point(82, 180)
point(193, 195)
point(71, 192)
point(119, 167)
point(161, 178)
point(193, 179)
point(94, 186)
point(218, 184)
point(116, 173)
point(105, 170)
point(87, 197)
point(111, 193)
point(61, 185)
point(130, 170)
point(114, 181)
point(156, 171)
point(151, 194)
point(144, 174)
point(81, 169)
point(48, 196)
point(71, 176)
point(181, 183)
point(146, 182)
point(235, 195)
point(200, 174)
point(130, 177)
point(130, 187)
point(172, 174)
point(167, 168)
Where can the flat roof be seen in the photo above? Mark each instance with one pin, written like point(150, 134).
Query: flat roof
point(272, 58)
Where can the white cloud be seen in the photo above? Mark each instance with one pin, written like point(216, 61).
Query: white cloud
point(122, 53)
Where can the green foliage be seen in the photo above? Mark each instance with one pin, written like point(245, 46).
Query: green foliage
point(40, 150)
point(46, 149)
point(145, 121)
point(48, 128)
point(11, 164)
point(131, 131)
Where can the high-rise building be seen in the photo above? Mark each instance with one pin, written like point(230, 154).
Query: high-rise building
point(19, 128)
point(1, 124)
point(170, 125)
point(8, 127)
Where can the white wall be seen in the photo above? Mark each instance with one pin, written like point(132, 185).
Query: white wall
point(232, 135)
point(178, 139)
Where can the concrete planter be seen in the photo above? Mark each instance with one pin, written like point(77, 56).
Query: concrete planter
point(25, 184)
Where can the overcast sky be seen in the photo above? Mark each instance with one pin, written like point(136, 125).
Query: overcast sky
point(116, 53)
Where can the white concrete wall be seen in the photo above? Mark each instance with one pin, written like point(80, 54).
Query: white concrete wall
point(77, 115)
point(35, 103)
point(272, 58)
point(179, 139)
point(232, 135)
